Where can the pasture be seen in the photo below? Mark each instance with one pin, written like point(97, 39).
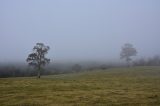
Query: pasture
point(136, 86)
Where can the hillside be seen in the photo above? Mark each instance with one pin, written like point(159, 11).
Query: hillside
point(117, 86)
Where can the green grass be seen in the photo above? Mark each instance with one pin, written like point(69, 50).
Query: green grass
point(137, 86)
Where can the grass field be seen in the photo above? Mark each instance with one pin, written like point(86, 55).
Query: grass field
point(136, 86)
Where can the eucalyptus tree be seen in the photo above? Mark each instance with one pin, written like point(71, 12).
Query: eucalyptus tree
point(37, 58)
point(127, 52)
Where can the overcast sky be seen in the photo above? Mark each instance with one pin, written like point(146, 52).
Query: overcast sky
point(78, 29)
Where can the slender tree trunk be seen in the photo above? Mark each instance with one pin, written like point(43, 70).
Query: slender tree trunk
point(128, 64)
point(39, 74)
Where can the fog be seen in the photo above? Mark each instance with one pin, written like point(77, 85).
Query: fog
point(79, 30)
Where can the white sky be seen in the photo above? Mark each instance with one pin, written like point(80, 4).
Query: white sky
point(78, 29)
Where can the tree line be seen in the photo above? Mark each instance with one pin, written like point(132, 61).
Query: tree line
point(38, 60)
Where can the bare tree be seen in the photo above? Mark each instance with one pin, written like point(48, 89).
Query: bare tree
point(127, 51)
point(37, 59)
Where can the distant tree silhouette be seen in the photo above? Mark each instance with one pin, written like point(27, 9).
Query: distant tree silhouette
point(140, 62)
point(37, 59)
point(127, 51)
point(76, 67)
point(104, 66)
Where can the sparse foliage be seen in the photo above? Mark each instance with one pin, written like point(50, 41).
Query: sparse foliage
point(127, 51)
point(37, 59)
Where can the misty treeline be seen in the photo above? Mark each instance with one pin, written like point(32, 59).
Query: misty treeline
point(63, 68)
point(52, 69)
point(18, 71)
point(153, 61)
point(38, 60)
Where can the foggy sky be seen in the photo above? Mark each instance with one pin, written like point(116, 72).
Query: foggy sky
point(78, 29)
